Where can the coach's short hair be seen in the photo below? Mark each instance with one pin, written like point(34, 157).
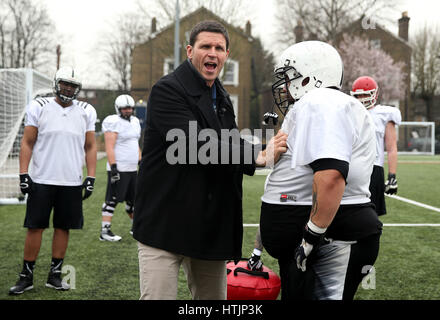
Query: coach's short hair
point(208, 26)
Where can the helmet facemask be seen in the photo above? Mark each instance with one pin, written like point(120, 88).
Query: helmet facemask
point(124, 101)
point(286, 77)
point(58, 90)
point(124, 115)
point(370, 98)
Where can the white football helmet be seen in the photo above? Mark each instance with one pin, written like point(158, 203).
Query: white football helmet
point(123, 101)
point(305, 66)
point(66, 74)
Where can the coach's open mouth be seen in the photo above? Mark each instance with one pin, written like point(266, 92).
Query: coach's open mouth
point(211, 66)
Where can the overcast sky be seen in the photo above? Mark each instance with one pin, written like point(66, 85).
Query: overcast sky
point(81, 22)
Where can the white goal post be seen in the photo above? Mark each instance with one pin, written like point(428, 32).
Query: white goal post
point(417, 138)
point(17, 88)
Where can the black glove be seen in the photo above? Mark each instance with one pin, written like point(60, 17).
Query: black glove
point(114, 174)
point(311, 239)
point(88, 186)
point(391, 184)
point(254, 263)
point(26, 183)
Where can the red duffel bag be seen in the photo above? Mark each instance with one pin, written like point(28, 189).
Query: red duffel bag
point(245, 284)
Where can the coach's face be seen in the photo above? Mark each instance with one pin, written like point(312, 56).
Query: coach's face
point(208, 55)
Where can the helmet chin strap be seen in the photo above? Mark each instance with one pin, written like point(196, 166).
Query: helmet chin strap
point(64, 99)
point(125, 117)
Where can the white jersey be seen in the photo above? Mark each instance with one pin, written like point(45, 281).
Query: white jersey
point(381, 116)
point(127, 142)
point(58, 155)
point(324, 123)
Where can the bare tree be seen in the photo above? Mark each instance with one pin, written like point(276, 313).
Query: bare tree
point(127, 30)
point(132, 28)
point(232, 11)
point(25, 34)
point(426, 66)
point(325, 19)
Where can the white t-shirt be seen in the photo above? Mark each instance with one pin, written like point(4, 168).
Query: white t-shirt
point(127, 142)
point(58, 155)
point(324, 123)
point(381, 116)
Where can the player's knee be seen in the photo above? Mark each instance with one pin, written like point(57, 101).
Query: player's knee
point(108, 208)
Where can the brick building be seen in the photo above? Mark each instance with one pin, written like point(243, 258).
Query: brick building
point(155, 58)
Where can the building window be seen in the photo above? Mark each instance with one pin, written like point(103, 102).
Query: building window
point(91, 95)
point(229, 73)
point(168, 66)
point(234, 100)
point(375, 43)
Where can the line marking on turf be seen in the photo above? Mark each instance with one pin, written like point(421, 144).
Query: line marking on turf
point(385, 225)
point(420, 161)
point(419, 204)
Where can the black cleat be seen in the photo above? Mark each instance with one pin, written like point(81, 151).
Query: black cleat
point(25, 283)
point(54, 281)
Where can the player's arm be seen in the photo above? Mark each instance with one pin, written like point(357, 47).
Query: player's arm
point(30, 135)
point(328, 189)
point(110, 142)
point(391, 146)
point(91, 153)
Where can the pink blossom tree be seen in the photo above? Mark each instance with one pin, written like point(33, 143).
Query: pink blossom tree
point(363, 59)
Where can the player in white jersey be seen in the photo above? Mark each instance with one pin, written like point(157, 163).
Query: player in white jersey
point(121, 131)
point(366, 90)
point(316, 215)
point(59, 135)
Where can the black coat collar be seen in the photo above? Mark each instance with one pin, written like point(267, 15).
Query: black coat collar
point(194, 85)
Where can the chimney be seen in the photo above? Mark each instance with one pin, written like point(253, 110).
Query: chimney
point(153, 25)
point(248, 29)
point(299, 32)
point(403, 26)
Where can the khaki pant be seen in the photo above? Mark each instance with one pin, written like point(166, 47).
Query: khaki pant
point(159, 272)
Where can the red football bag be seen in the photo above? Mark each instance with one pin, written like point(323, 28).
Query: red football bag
point(245, 284)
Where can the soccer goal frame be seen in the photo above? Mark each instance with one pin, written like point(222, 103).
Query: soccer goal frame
point(17, 88)
point(422, 132)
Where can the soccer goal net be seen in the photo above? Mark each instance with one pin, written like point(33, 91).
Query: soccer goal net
point(415, 137)
point(17, 88)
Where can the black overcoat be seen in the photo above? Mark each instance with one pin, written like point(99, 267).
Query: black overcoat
point(192, 209)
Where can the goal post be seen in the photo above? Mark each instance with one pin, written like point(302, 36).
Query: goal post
point(416, 138)
point(17, 88)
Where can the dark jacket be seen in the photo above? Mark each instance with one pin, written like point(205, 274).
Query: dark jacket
point(190, 209)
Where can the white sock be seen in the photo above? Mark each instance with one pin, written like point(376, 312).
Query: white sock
point(105, 224)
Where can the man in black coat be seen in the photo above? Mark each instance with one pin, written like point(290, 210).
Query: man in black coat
point(189, 212)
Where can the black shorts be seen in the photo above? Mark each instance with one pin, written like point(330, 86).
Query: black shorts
point(123, 190)
point(281, 228)
point(377, 189)
point(66, 202)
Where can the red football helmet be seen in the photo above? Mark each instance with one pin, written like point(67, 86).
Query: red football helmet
point(365, 89)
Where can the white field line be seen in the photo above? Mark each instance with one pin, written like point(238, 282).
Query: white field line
point(246, 225)
point(419, 204)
